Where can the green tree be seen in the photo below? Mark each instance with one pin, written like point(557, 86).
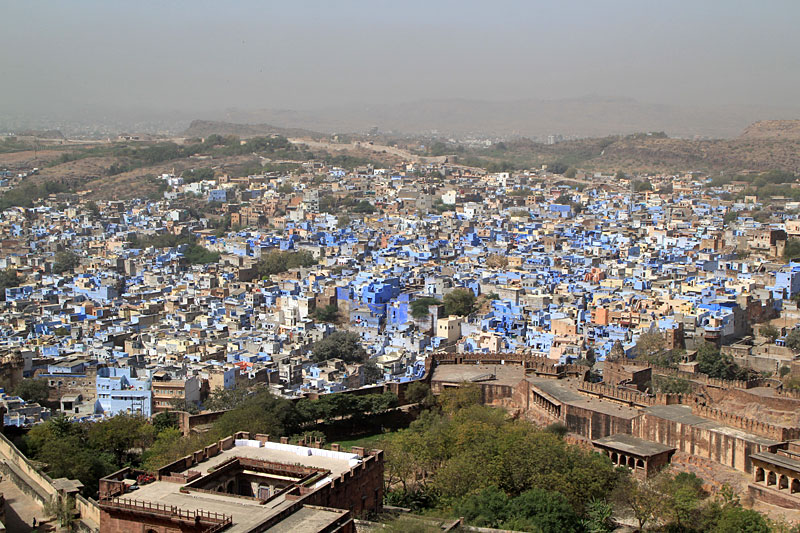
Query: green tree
point(197, 174)
point(735, 518)
point(119, 434)
point(165, 420)
point(260, 413)
point(63, 510)
point(364, 207)
point(770, 332)
point(599, 515)
point(276, 262)
point(224, 399)
point(459, 302)
point(420, 392)
point(793, 340)
point(540, 510)
point(419, 307)
point(485, 508)
point(570, 173)
point(453, 399)
point(685, 494)
point(62, 447)
point(642, 498)
point(93, 210)
point(718, 365)
point(329, 313)
point(342, 221)
point(651, 347)
point(372, 373)
point(792, 250)
point(8, 279)
point(339, 345)
point(199, 255)
point(730, 217)
point(32, 390)
point(168, 446)
point(65, 262)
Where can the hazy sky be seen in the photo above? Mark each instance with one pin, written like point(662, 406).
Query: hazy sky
point(198, 55)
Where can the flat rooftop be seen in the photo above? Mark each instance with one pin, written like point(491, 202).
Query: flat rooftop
point(565, 392)
point(249, 513)
point(776, 459)
point(308, 519)
point(633, 445)
point(683, 415)
point(509, 375)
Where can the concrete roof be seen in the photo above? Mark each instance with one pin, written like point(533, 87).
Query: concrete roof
point(683, 415)
point(509, 375)
point(247, 513)
point(562, 391)
point(776, 459)
point(555, 389)
point(308, 519)
point(633, 445)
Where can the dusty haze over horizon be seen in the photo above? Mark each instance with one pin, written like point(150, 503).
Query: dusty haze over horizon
point(96, 59)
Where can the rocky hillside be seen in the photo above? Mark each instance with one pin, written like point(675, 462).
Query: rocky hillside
point(773, 129)
point(204, 128)
point(763, 146)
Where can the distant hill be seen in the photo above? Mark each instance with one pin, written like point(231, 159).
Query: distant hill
point(41, 134)
point(204, 128)
point(773, 129)
point(761, 148)
point(583, 117)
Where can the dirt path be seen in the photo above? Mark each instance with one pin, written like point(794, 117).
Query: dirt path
point(405, 155)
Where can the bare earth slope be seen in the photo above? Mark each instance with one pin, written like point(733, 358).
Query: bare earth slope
point(773, 129)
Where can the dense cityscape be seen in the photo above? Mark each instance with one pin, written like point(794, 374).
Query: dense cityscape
point(400, 267)
point(649, 318)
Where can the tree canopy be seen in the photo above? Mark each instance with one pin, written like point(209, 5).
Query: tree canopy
point(32, 390)
point(459, 302)
point(276, 262)
point(87, 451)
point(718, 365)
point(342, 345)
point(419, 307)
point(65, 261)
point(477, 460)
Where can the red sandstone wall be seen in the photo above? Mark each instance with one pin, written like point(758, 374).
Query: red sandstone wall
point(360, 490)
point(592, 424)
point(729, 450)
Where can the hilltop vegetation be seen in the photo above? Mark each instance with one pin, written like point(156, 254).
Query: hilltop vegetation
point(463, 459)
point(120, 170)
point(641, 152)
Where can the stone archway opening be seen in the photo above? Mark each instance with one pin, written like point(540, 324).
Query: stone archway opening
point(639, 463)
point(759, 475)
point(783, 483)
point(772, 479)
point(795, 486)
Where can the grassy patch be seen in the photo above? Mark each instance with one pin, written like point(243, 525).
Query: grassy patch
point(368, 441)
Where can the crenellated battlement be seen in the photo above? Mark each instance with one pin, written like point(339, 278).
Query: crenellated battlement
point(532, 363)
point(756, 427)
point(630, 396)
